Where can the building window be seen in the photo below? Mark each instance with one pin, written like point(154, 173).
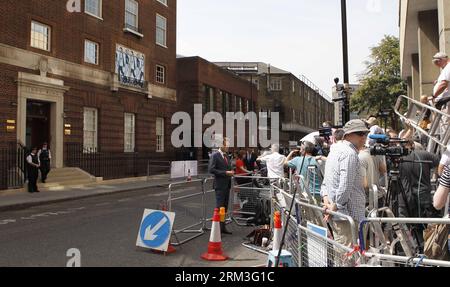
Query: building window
point(224, 102)
point(161, 30)
point(164, 2)
point(131, 14)
point(293, 86)
point(247, 106)
point(129, 132)
point(159, 135)
point(239, 104)
point(210, 100)
point(93, 7)
point(160, 74)
point(275, 84)
point(90, 52)
point(90, 129)
point(40, 36)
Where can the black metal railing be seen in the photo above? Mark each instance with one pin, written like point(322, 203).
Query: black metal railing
point(12, 166)
point(112, 165)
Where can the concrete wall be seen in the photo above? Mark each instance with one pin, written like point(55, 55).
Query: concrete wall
point(424, 30)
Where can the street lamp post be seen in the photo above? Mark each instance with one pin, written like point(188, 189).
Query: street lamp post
point(346, 114)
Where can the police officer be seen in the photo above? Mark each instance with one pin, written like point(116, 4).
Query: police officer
point(33, 170)
point(44, 159)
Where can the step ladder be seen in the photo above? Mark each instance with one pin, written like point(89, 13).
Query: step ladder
point(439, 133)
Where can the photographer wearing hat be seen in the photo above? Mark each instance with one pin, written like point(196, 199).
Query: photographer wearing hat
point(342, 189)
point(441, 89)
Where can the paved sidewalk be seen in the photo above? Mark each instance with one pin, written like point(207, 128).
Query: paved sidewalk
point(20, 198)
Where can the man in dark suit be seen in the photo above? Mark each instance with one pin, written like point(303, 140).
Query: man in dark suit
point(220, 167)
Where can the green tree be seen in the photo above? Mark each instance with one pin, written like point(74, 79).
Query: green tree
point(381, 82)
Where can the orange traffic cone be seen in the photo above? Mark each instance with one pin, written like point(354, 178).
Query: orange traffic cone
point(215, 252)
point(276, 230)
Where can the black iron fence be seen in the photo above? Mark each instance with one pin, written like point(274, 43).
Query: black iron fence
point(12, 166)
point(112, 165)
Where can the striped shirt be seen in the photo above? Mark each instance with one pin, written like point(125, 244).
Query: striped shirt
point(343, 181)
point(445, 181)
point(445, 178)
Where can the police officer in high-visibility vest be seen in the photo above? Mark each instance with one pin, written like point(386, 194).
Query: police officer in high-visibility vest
point(45, 157)
point(33, 170)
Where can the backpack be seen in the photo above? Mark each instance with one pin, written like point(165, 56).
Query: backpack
point(436, 241)
point(262, 212)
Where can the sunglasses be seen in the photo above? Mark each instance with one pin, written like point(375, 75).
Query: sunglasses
point(362, 134)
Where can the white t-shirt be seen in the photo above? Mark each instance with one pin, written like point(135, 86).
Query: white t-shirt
point(275, 164)
point(445, 159)
point(444, 76)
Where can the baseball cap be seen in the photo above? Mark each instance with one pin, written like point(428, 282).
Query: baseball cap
point(440, 55)
point(355, 126)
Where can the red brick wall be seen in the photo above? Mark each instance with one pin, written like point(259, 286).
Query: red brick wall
point(8, 101)
point(69, 30)
point(194, 73)
point(111, 108)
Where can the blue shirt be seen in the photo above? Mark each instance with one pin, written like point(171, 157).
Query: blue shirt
point(296, 164)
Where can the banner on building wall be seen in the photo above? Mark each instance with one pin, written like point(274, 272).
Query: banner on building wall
point(130, 66)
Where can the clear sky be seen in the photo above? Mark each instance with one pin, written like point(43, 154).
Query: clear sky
point(300, 36)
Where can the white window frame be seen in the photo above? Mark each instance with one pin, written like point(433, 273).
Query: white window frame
point(128, 25)
point(276, 84)
point(158, 74)
point(49, 36)
point(97, 46)
point(159, 134)
point(93, 146)
point(164, 29)
point(164, 2)
point(131, 133)
point(100, 9)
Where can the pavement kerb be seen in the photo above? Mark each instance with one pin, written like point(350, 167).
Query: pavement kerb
point(23, 205)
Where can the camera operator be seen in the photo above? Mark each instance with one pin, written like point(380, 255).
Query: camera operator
point(305, 156)
point(416, 180)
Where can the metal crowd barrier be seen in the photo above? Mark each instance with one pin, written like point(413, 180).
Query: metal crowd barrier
point(248, 197)
point(193, 202)
point(385, 257)
point(187, 200)
point(309, 248)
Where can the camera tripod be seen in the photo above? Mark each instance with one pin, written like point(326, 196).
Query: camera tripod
point(395, 188)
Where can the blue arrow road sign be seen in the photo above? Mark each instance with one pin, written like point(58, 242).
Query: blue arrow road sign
point(155, 229)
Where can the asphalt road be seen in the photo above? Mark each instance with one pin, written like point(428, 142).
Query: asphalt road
point(105, 230)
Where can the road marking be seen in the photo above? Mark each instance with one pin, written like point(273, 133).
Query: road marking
point(124, 200)
point(103, 204)
point(7, 221)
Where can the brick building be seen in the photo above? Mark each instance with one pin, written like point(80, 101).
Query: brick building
point(103, 78)
point(302, 106)
point(218, 90)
